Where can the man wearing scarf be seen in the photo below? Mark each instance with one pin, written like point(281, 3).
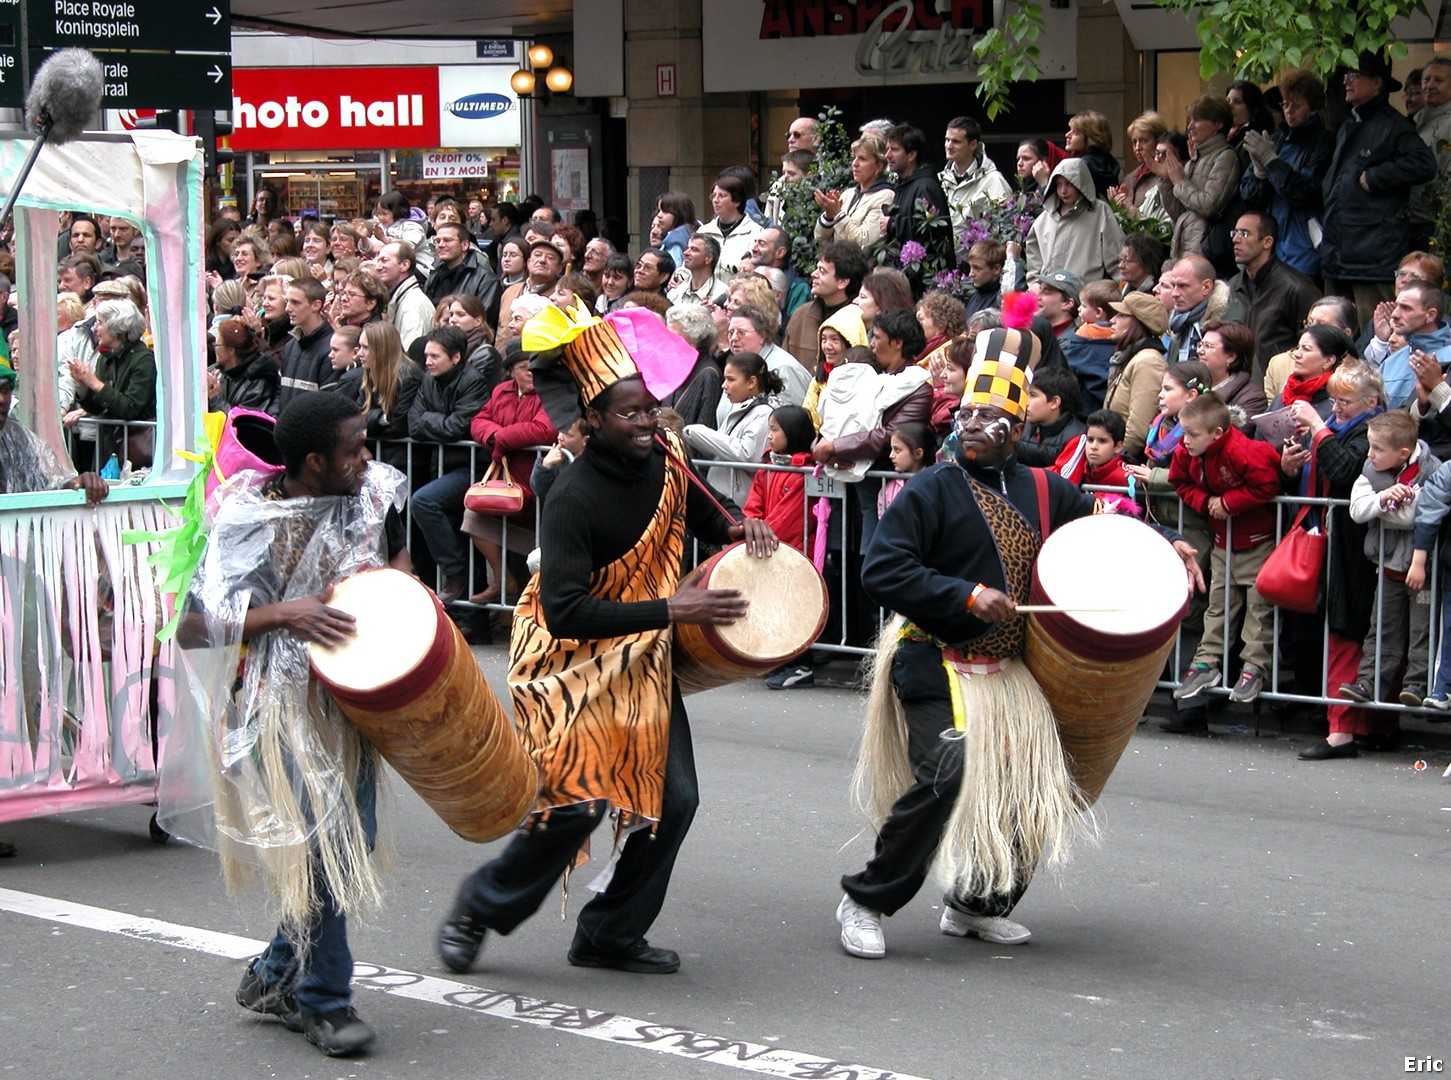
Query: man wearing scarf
point(591, 675)
point(954, 555)
point(1198, 298)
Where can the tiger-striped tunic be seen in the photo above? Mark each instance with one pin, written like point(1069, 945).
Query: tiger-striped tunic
point(594, 709)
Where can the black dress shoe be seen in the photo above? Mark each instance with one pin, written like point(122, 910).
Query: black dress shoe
point(1323, 751)
point(1184, 725)
point(459, 941)
point(640, 958)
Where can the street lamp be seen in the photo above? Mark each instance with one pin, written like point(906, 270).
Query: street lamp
point(557, 78)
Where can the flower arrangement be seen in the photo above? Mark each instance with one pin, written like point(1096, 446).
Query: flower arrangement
point(1008, 221)
point(1133, 222)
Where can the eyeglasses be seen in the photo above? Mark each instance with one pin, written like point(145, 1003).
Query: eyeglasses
point(978, 416)
point(1240, 234)
point(638, 416)
point(1408, 275)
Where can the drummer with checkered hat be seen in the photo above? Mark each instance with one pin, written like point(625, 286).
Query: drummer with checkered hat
point(953, 555)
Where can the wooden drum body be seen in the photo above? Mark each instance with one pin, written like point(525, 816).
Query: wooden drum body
point(410, 683)
point(1098, 662)
point(787, 612)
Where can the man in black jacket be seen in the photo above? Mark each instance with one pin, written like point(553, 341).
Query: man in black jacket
point(917, 183)
point(1378, 159)
point(305, 363)
point(461, 267)
point(1275, 296)
point(449, 397)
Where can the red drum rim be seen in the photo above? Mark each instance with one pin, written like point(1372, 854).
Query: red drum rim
point(405, 689)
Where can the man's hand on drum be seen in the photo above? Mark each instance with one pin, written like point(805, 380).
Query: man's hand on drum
point(760, 538)
point(693, 604)
point(310, 619)
point(1191, 564)
point(994, 606)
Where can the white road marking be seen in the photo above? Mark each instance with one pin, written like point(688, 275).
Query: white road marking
point(559, 1017)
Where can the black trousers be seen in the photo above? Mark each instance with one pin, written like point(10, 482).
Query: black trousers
point(910, 835)
point(503, 893)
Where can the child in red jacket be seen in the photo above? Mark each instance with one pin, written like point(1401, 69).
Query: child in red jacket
point(1224, 474)
point(779, 498)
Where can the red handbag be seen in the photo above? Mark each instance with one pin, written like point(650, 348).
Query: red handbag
point(1291, 576)
point(496, 494)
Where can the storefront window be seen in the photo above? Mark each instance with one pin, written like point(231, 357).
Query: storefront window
point(345, 186)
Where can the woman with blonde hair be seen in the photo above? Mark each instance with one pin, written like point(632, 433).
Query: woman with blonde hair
point(390, 382)
point(1144, 135)
point(856, 213)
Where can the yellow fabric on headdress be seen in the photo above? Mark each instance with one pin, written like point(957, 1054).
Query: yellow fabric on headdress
point(553, 328)
point(1000, 383)
point(1000, 374)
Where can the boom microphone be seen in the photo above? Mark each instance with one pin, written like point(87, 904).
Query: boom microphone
point(65, 95)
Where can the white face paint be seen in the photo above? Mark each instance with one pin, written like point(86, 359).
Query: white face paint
point(998, 430)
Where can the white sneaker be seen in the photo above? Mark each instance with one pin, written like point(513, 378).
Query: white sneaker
point(861, 930)
point(998, 931)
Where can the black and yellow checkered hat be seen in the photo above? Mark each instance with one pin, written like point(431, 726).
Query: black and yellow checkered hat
point(1002, 368)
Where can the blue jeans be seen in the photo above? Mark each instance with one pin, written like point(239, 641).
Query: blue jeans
point(1441, 685)
point(438, 511)
point(322, 979)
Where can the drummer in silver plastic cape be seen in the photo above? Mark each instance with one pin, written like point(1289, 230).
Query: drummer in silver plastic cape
point(961, 761)
point(263, 767)
point(26, 462)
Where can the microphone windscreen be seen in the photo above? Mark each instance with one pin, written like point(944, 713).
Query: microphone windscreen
point(67, 88)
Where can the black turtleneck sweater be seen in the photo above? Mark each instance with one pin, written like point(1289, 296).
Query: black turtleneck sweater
point(596, 512)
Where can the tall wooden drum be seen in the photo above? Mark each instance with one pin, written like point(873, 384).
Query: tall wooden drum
point(410, 683)
point(1124, 589)
point(786, 615)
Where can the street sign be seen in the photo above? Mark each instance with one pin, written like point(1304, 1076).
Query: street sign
point(155, 54)
point(162, 80)
point(12, 93)
point(202, 26)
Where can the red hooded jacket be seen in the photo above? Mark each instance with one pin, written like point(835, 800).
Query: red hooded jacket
point(779, 499)
point(1244, 473)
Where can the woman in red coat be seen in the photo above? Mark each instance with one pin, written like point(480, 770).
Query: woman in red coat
point(509, 425)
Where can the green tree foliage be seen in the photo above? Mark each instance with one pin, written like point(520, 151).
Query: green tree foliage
point(1008, 54)
point(1257, 40)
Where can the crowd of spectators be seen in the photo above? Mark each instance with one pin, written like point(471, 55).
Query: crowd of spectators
point(1273, 259)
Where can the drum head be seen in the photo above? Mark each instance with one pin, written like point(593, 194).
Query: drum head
point(1110, 561)
point(397, 623)
point(787, 602)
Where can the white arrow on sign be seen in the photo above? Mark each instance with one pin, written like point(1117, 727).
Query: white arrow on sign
point(217, 73)
point(214, 15)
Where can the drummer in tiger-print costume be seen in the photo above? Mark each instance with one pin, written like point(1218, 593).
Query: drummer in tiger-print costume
point(961, 761)
point(590, 653)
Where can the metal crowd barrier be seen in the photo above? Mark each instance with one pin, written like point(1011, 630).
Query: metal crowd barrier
point(842, 590)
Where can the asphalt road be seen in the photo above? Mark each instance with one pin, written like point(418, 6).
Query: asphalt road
point(1246, 914)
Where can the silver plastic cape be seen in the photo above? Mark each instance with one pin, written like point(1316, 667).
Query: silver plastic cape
point(27, 463)
point(258, 763)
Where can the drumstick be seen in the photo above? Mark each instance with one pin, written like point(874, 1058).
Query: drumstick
point(1055, 609)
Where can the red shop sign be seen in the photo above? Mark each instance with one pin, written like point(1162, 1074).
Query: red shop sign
point(334, 108)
